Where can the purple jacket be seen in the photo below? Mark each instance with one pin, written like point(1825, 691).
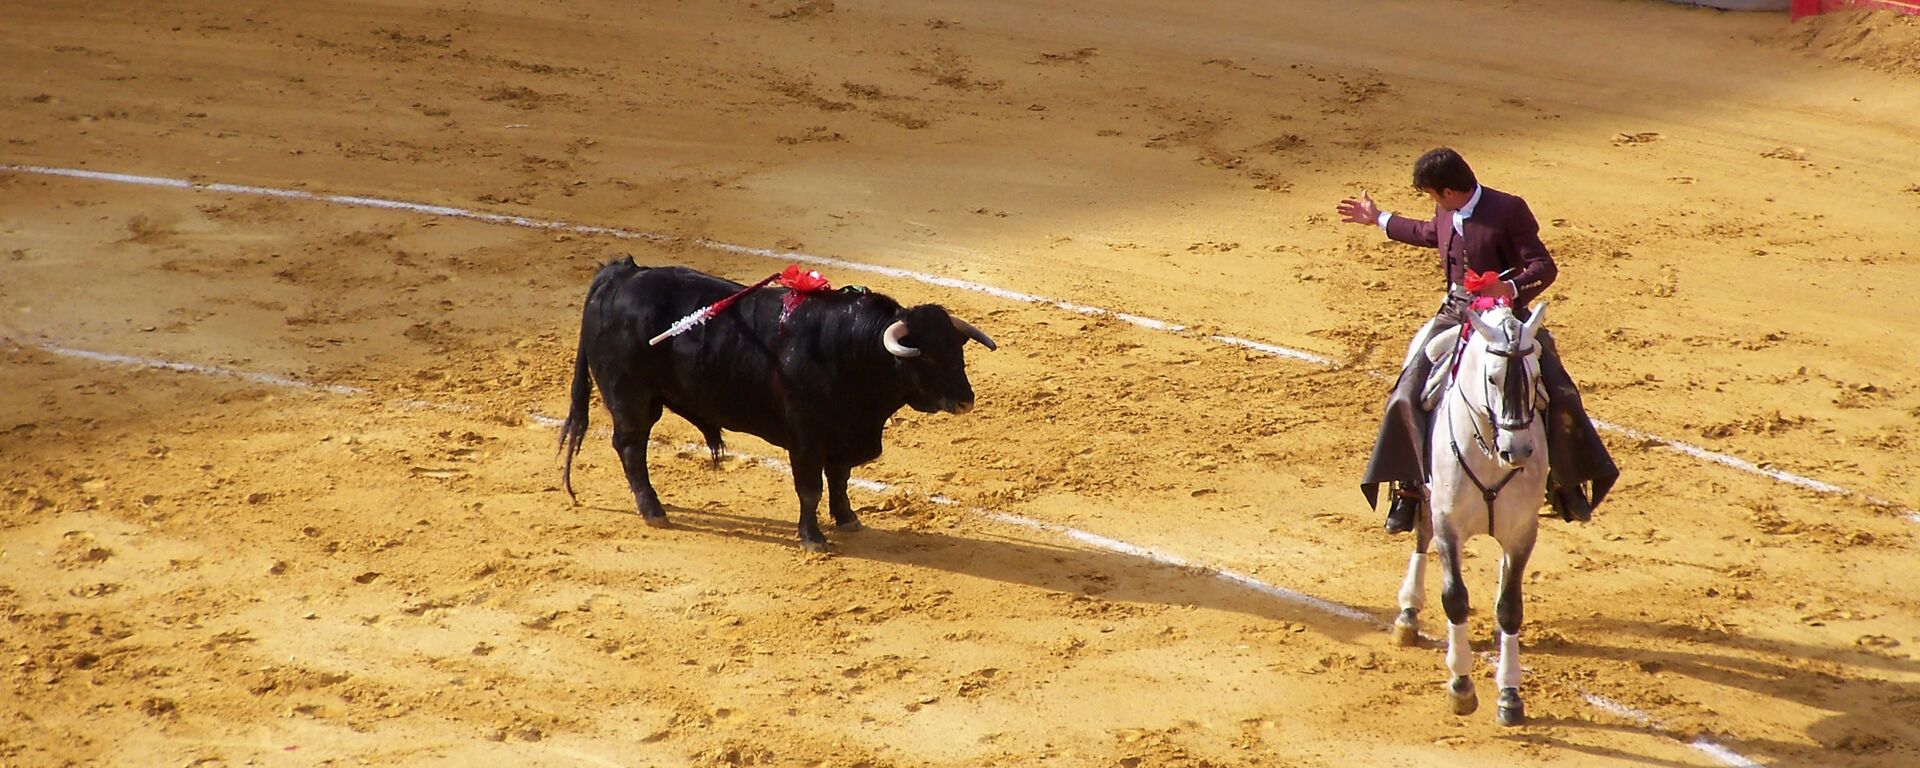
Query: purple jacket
point(1500, 235)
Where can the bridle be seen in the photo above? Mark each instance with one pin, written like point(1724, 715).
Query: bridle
point(1516, 391)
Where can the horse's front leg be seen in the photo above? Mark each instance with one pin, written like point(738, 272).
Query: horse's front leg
point(1413, 589)
point(1511, 710)
point(1453, 597)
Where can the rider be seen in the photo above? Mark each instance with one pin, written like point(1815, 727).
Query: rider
point(1484, 230)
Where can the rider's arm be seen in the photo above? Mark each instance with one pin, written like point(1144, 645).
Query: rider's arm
point(1537, 269)
point(1409, 231)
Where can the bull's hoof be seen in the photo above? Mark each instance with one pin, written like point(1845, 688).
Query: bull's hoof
point(1511, 710)
point(654, 521)
point(816, 547)
point(1461, 696)
point(1406, 629)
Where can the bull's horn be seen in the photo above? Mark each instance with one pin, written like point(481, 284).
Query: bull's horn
point(973, 333)
point(892, 340)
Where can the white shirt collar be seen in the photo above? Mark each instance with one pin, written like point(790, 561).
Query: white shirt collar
point(1466, 211)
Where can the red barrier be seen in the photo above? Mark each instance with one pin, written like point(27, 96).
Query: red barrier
point(1804, 8)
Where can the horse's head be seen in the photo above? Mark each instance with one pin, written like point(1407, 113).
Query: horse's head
point(1509, 372)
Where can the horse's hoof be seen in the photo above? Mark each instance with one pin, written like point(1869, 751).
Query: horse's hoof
point(654, 521)
point(1406, 634)
point(849, 526)
point(1511, 710)
point(816, 547)
point(1464, 700)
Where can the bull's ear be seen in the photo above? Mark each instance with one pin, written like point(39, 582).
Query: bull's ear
point(973, 333)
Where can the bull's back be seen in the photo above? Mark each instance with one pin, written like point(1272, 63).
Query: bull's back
point(719, 374)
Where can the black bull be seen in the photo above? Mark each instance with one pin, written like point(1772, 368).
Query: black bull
point(821, 383)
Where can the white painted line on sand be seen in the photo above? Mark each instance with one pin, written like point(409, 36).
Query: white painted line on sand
point(1747, 466)
point(904, 274)
point(255, 377)
point(1721, 458)
point(1274, 349)
point(1115, 545)
point(1712, 748)
point(208, 370)
point(1719, 752)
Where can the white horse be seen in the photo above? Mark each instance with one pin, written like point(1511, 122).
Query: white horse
point(1489, 477)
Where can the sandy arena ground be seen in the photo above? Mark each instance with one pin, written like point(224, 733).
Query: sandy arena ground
point(200, 569)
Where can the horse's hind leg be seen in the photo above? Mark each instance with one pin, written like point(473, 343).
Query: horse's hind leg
point(1453, 597)
point(1413, 590)
point(1513, 566)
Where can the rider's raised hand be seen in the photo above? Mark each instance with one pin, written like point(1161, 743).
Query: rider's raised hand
point(1359, 210)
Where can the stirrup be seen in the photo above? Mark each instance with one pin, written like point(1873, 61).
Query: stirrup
point(1404, 508)
point(1570, 502)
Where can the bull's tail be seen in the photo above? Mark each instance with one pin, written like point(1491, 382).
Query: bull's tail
point(574, 430)
point(716, 445)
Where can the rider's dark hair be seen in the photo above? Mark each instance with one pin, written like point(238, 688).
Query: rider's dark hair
point(1443, 169)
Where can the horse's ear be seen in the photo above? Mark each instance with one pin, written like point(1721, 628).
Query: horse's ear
point(1480, 326)
point(1533, 323)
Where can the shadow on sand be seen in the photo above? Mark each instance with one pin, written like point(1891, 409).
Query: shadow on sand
point(1873, 721)
point(1029, 557)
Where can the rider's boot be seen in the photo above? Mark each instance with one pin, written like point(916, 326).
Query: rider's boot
point(1406, 504)
point(1570, 501)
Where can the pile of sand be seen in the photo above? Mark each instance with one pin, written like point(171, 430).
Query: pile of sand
point(1888, 41)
